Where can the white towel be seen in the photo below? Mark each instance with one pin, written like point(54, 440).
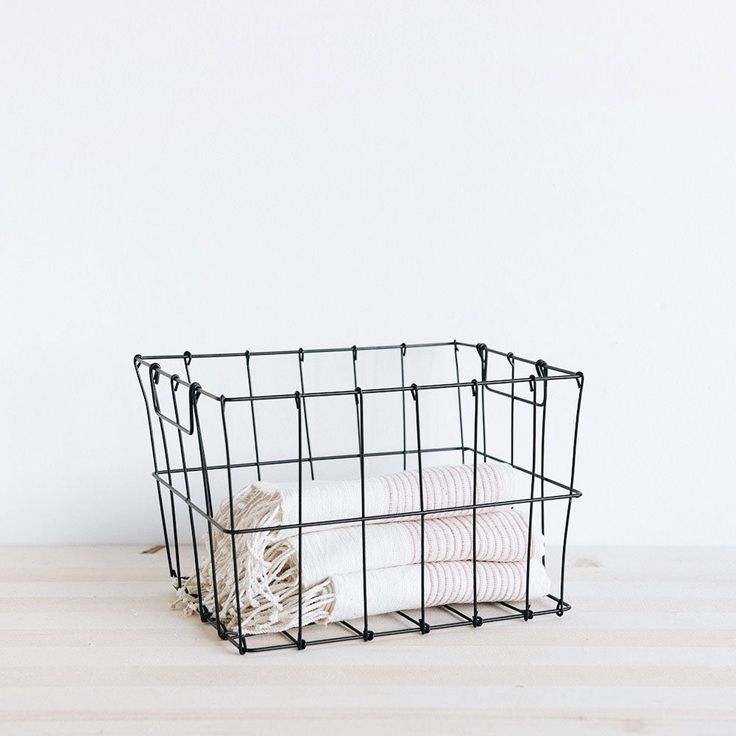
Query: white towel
point(500, 537)
point(331, 555)
point(271, 504)
point(399, 588)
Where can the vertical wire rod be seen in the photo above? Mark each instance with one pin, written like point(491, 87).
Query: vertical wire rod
point(415, 395)
point(542, 371)
point(510, 358)
point(355, 387)
point(402, 349)
point(300, 643)
point(241, 638)
point(560, 605)
point(527, 611)
point(477, 620)
point(221, 631)
point(187, 357)
point(304, 409)
point(175, 573)
point(137, 365)
point(253, 414)
point(459, 402)
point(367, 634)
point(189, 498)
point(482, 349)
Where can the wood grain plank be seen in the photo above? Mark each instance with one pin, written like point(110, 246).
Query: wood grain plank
point(88, 644)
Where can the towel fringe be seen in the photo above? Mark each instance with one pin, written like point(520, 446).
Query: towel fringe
point(268, 573)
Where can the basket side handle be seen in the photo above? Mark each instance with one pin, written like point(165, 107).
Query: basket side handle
point(154, 374)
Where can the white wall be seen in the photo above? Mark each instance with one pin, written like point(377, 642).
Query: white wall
point(553, 179)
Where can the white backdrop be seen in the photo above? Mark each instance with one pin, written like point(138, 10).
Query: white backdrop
point(552, 179)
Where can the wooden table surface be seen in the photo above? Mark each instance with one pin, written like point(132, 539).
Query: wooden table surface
point(88, 644)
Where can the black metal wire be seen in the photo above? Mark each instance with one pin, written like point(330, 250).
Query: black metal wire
point(307, 351)
point(482, 349)
point(236, 576)
point(300, 643)
point(512, 361)
point(527, 610)
point(222, 632)
point(300, 353)
point(367, 633)
point(154, 378)
point(475, 501)
point(370, 517)
point(424, 627)
point(189, 498)
point(355, 387)
point(137, 362)
point(580, 381)
point(541, 371)
point(459, 402)
point(349, 392)
point(187, 424)
point(253, 415)
point(402, 353)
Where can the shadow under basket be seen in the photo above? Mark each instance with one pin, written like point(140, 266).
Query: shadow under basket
point(355, 413)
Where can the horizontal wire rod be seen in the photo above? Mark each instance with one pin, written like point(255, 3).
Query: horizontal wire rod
point(348, 456)
point(359, 348)
point(355, 456)
point(357, 519)
point(405, 389)
point(266, 353)
point(256, 353)
point(466, 621)
point(517, 358)
point(351, 392)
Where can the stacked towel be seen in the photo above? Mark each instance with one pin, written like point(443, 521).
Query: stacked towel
point(332, 560)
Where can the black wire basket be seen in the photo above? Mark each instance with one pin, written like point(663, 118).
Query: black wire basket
point(355, 412)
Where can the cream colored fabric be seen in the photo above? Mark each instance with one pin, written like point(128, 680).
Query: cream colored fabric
point(268, 561)
point(397, 588)
point(500, 537)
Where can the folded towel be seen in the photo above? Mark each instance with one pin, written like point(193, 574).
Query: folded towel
point(271, 504)
point(500, 537)
point(398, 588)
point(332, 555)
